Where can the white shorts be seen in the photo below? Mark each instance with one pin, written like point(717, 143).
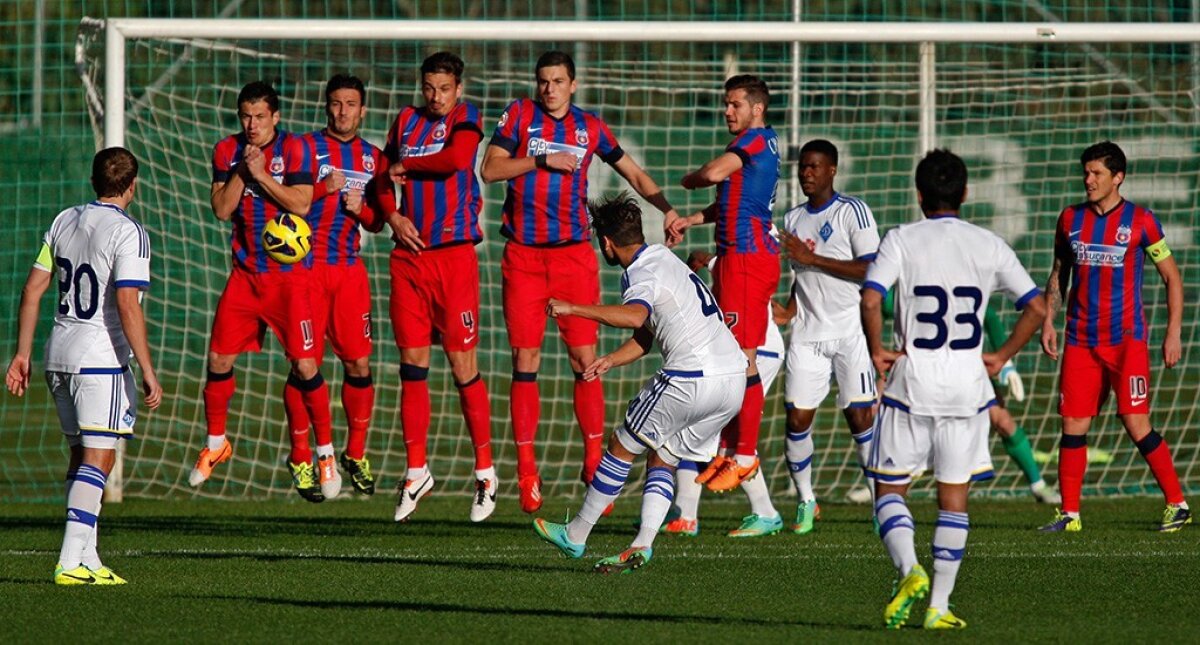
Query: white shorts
point(770, 357)
point(95, 409)
point(680, 418)
point(809, 365)
point(956, 448)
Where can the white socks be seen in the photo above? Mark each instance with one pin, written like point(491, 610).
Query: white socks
point(215, 441)
point(896, 529)
point(799, 452)
point(83, 509)
point(949, 543)
point(605, 487)
point(656, 502)
point(687, 491)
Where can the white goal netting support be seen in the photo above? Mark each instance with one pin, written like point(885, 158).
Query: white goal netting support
point(1018, 101)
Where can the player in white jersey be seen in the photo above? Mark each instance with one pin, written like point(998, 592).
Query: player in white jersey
point(680, 411)
point(830, 240)
point(934, 407)
point(102, 260)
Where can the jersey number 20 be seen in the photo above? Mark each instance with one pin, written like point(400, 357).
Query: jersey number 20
point(937, 317)
point(70, 288)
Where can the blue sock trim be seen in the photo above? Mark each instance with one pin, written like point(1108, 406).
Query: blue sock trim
point(1149, 443)
point(1073, 441)
point(863, 437)
point(81, 516)
point(471, 381)
point(751, 381)
point(799, 436)
point(688, 465)
point(305, 385)
point(660, 481)
point(524, 377)
point(797, 466)
point(943, 553)
point(214, 377)
point(360, 382)
point(896, 522)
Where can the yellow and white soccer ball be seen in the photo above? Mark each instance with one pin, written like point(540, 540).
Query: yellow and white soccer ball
point(287, 238)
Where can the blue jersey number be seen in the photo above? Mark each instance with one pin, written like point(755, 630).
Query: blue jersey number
point(70, 289)
point(708, 304)
point(937, 317)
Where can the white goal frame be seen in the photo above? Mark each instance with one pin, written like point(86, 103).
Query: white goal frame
point(927, 35)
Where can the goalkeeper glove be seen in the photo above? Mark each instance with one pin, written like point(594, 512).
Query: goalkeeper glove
point(1012, 379)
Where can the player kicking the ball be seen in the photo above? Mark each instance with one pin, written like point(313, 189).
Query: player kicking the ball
point(934, 406)
point(352, 188)
point(680, 411)
point(102, 260)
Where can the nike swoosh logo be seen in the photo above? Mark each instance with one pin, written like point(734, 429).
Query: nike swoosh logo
point(533, 129)
point(1075, 232)
point(469, 339)
point(75, 577)
point(413, 494)
point(105, 577)
point(1137, 402)
point(320, 157)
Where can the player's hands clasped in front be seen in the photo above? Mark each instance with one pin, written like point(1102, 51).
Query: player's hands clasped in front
point(597, 368)
point(353, 201)
point(335, 181)
point(396, 173)
point(254, 162)
point(556, 308)
point(17, 377)
point(1050, 341)
point(1172, 349)
point(406, 233)
point(883, 360)
point(152, 390)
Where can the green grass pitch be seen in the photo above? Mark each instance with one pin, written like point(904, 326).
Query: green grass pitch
point(342, 571)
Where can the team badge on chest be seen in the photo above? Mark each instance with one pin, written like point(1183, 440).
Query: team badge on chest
point(581, 136)
point(439, 132)
point(825, 232)
point(276, 165)
point(368, 163)
point(1123, 234)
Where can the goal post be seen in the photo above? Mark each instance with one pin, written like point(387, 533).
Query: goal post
point(1015, 99)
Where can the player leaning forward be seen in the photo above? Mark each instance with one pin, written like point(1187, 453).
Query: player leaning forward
point(1103, 243)
point(680, 411)
point(934, 406)
point(102, 259)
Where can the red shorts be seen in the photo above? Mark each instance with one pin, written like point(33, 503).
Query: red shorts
point(341, 304)
point(252, 302)
point(1088, 373)
point(438, 289)
point(743, 284)
point(533, 275)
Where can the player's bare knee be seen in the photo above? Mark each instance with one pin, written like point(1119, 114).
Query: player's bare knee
point(102, 458)
point(305, 368)
point(358, 368)
point(1002, 421)
point(220, 363)
point(882, 489)
point(580, 357)
point(1136, 425)
point(526, 359)
point(799, 420)
point(953, 497)
point(463, 365)
point(654, 460)
point(419, 356)
point(859, 419)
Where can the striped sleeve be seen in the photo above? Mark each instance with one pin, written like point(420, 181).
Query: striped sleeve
point(131, 257)
point(864, 234)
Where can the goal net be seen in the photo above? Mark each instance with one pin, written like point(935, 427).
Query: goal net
point(1020, 114)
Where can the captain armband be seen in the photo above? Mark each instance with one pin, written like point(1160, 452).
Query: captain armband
point(45, 259)
point(1159, 251)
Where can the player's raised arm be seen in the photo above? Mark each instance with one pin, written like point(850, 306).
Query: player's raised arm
point(35, 287)
point(636, 347)
point(712, 173)
point(294, 195)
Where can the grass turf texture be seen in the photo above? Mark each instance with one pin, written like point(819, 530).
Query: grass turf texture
point(267, 571)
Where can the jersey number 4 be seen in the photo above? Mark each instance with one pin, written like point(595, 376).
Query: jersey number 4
point(937, 317)
point(70, 289)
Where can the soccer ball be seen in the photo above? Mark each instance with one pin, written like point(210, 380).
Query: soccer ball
point(287, 238)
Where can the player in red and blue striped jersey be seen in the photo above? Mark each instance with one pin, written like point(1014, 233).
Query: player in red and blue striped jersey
point(257, 174)
point(1102, 244)
point(435, 272)
point(543, 149)
point(747, 270)
point(352, 188)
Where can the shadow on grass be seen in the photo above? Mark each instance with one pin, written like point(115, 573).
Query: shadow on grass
point(465, 565)
point(540, 612)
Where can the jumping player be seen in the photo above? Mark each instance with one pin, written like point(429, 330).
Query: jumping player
point(543, 149)
point(352, 188)
point(258, 174)
point(435, 272)
point(1101, 245)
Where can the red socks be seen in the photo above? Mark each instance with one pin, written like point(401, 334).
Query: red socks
point(750, 417)
point(477, 411)
point(1158, 456)
point(1072, 464)
point(526, 412)
point(298, 421)
point(414, 413)
point(589, 411)
point(218, 392)
point(358, 400)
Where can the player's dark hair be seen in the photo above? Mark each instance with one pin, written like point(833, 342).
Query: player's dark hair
point(443, 63)
point(113, 170)
point(821, 146)
point(941, 180)
point(619, 218)
point(1108, 153)
point(755, 87)
point(346, 82)
point(554, 59)
point(256, 91)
